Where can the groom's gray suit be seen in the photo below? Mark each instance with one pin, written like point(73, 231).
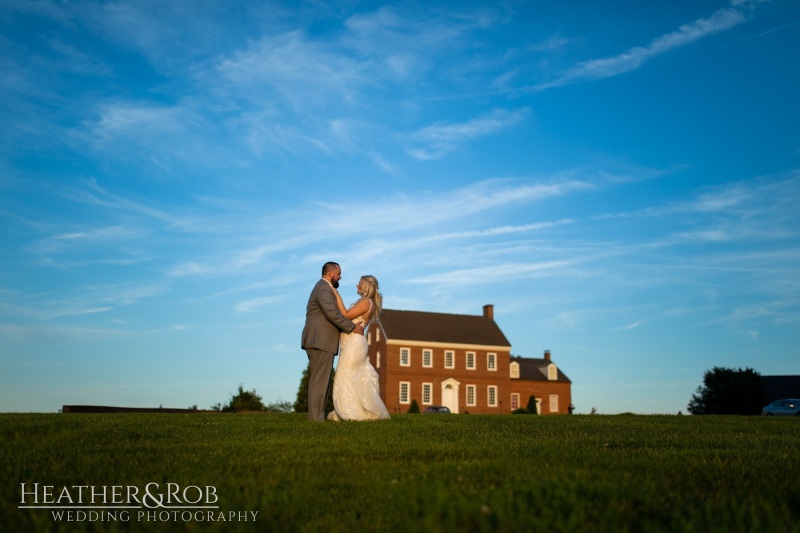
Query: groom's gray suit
point(321, 342)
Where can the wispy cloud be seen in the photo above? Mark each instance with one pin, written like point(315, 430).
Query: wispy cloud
point(252, 304)
point(438, 140)
point(504, 272)
point(92, 193)
point(628, 327)
point(635, 57)
point(86, 238)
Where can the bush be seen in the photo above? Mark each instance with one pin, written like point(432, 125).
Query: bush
point(242, 401)
point(414, 408)
point(520, 411)
point(531, 407)
point(726, 391)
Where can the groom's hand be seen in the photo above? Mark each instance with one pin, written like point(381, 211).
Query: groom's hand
point(359, 329)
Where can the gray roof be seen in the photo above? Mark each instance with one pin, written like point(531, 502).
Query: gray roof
point(531, 369)
point(441, 327)
point(780, 387)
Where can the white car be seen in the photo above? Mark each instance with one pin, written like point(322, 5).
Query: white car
point(789, 406)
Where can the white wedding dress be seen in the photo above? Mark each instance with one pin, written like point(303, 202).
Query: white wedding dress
point(356, 393)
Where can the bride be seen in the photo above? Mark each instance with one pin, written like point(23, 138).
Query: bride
point(356, 393)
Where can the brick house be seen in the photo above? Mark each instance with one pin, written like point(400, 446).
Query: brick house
point(461, 361)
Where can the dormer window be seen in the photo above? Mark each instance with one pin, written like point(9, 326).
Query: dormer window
point(552, 372)
point(513, 370)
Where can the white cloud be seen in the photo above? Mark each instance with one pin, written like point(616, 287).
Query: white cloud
point(439, 139)
point(90, 237)
point(635, 57)
point(252, 304)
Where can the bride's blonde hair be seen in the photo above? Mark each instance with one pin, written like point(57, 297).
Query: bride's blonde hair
point(369, 289)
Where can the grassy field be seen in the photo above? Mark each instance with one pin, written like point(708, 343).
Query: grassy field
point(279, 472)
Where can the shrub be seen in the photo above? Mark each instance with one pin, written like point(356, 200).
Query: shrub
point(244, 401)
point(531, 407)
point(414, 408)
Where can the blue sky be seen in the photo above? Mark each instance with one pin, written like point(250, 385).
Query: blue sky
point(619, 179)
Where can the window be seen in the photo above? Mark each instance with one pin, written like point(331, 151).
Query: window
point(492, 393)
point(449, 360)
point(513, 370)
point(554, 403)
point(377, 359)
point(378, 334)
point(514, 401)
point(427, 358)
point(404, 391)
point(405, 357)
point(427, 393)
point(470, 394)
point(471, 360)
point(491, 361)
point(552, 372)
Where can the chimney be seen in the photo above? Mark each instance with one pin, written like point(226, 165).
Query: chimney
point(547, 355)
point(488, 311)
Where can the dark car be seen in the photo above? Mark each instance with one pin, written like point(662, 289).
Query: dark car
point(789, 406)
point(437, 409)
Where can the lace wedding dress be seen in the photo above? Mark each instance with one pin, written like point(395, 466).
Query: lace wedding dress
point(356, 393)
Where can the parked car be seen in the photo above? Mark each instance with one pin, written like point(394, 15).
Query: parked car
point(437, 409)
point(789, 406)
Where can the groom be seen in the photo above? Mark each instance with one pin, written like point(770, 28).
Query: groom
point(321, 337)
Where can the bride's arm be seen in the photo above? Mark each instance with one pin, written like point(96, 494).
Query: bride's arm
point(358, 309)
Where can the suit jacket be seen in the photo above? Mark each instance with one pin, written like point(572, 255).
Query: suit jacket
point(323, 320)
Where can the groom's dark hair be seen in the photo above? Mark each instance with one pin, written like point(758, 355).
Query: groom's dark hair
point(327, 267)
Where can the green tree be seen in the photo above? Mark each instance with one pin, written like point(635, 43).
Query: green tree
point(241, 401)
point(726, 391)
point(301, 402)
point(414, 408)
point(531, 407)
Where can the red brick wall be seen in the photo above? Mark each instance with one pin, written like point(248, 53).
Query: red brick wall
point(542, 390)
point(390, 375)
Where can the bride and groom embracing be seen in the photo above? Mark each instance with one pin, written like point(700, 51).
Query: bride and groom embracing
point(329, 325)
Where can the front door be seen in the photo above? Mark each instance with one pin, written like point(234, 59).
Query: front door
point(450, 394)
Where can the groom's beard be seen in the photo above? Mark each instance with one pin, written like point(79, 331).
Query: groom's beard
point(335, 284)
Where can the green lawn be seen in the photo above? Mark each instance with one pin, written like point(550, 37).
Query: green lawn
point(410, 473)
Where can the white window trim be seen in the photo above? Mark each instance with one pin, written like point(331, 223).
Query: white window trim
point(491, 357)
point(408, 392)
point(474, 390)
point(452, 359)
point(552, 372)
point(430, 358)
point(408, 361)
point(515, 396)
point(429, 386)
point(474, 356)
point(554, 403)
point(489, 390)
point(513, 370)
point(378, 359)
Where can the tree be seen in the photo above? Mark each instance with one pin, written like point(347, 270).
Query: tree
point(301, 402)
point(726, 391)
point(414, 408)
point(531, 407)
point(241, 401)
